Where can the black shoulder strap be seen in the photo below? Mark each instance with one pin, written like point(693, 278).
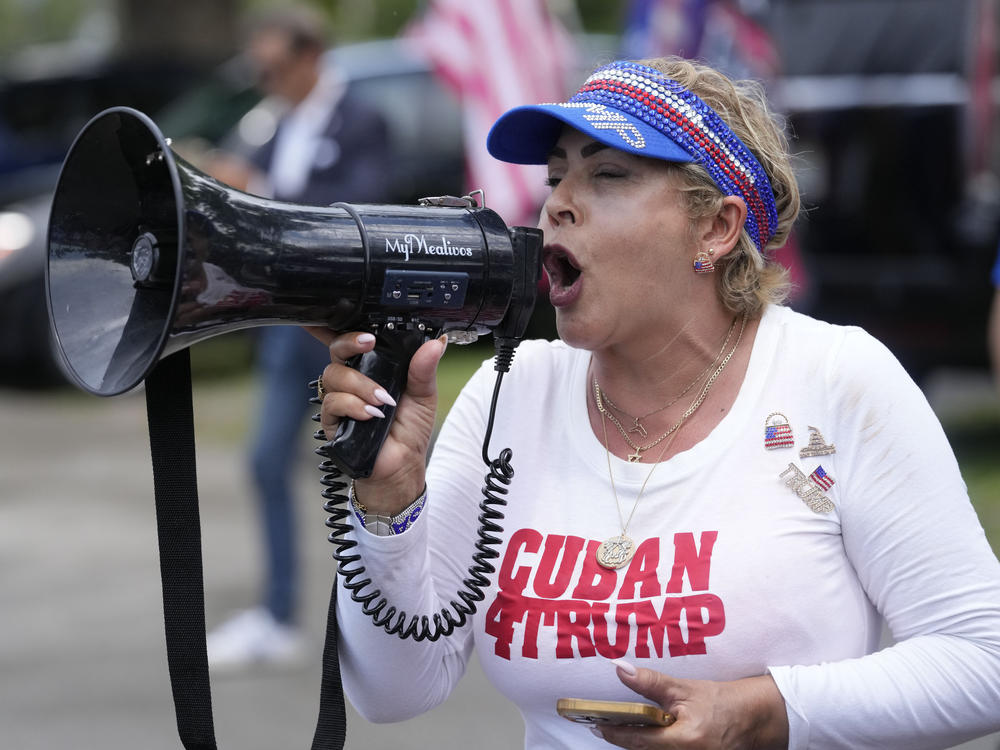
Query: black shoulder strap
point(331, 725)
point(171, 442)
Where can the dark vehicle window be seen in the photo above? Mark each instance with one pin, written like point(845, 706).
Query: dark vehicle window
point(425, 126)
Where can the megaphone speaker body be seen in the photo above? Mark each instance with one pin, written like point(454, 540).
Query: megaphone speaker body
point(148, 255)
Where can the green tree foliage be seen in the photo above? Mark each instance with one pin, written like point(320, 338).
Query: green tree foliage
point(192, 25)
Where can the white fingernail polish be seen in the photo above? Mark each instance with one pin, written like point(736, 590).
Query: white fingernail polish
point(597, 732)
point(384, 397)
point(625, 667)
point(374, 411)
point(365, 338)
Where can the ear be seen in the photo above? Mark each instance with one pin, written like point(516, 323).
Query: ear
point(722, 231)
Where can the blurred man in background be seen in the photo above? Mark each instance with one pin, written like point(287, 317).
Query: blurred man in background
point(327, 147)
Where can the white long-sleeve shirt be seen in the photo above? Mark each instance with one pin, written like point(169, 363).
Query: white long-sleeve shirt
point(735, 574)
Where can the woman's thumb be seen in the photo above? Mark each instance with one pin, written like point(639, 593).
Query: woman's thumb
point(657, 686)
point(422, 376)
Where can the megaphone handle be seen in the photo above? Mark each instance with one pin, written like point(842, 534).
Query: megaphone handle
point(357, 444)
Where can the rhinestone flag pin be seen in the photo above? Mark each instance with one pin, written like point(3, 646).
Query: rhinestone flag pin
point(821, 479)
point(777, 432)
point(798, 482)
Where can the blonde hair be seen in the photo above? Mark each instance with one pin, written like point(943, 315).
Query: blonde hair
point(748, 278)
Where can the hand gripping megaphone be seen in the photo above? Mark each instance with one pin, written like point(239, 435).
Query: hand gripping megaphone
point(147, 255)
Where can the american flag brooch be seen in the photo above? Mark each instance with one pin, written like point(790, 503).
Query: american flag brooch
point(777, 432)
point(809, 493)
point(821, 479)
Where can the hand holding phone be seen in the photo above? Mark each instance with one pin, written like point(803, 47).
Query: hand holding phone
point(619, 713)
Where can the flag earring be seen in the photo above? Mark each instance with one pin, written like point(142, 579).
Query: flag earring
point(703, 262)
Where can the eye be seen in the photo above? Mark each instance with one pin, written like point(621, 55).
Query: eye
point(552, 181)
point(610, 173)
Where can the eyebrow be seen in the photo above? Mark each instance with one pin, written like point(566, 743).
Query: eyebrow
point(592, 148)
point(589, 150)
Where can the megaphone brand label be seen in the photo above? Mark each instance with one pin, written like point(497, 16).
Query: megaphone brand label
point(417, 244)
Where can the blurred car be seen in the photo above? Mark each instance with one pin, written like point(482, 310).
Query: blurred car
point(26, 356)
point(39, 118)
point(889, 102)
point(41, 115)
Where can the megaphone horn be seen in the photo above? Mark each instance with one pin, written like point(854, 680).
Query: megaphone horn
point(149, 255)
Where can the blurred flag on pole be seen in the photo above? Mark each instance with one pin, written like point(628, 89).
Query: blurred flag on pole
point(719, 31)
point(982, 68)
point(663, 27)
point(494, 55)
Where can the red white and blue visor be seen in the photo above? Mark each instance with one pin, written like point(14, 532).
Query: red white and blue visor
point(637, 109)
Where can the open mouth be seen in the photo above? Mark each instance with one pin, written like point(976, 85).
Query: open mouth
point(561, 267)
point(564, 275)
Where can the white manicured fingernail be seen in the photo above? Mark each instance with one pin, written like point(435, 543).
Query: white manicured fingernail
point(384, 397)
point(374, 411)
point(365, 338)
point(625, 667)
point(597, 733)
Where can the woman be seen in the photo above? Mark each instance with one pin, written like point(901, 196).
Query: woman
point(721, 496)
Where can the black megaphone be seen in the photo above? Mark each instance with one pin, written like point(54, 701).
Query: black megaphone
point(148, 255)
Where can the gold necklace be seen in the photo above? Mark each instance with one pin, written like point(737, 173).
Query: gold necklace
point(599, 398)
point(617, 551)
point(637, 425)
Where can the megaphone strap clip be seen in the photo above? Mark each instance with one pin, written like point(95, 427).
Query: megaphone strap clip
point(453, 201)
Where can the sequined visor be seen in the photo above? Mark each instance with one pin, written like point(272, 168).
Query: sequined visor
point(637, 109)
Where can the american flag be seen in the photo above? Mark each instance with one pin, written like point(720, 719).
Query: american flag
point(778, 436)
point(982, 67)
point(495, 55)
point(725, 35)
point(821, 478)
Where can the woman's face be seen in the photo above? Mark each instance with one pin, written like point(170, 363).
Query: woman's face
point(618, 244)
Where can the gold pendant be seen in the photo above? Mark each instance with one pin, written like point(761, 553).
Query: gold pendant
point(633, 457)
point(637, 427)
point(615, 552)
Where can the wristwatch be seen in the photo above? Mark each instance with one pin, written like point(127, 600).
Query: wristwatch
point(381, 525)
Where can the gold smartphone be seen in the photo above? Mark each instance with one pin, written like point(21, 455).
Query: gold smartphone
point(622, 713)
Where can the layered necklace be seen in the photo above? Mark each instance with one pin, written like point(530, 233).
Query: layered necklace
point(617, 551)
point(604, 401)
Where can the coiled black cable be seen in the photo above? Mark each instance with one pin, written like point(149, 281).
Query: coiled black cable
point(373, 604)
